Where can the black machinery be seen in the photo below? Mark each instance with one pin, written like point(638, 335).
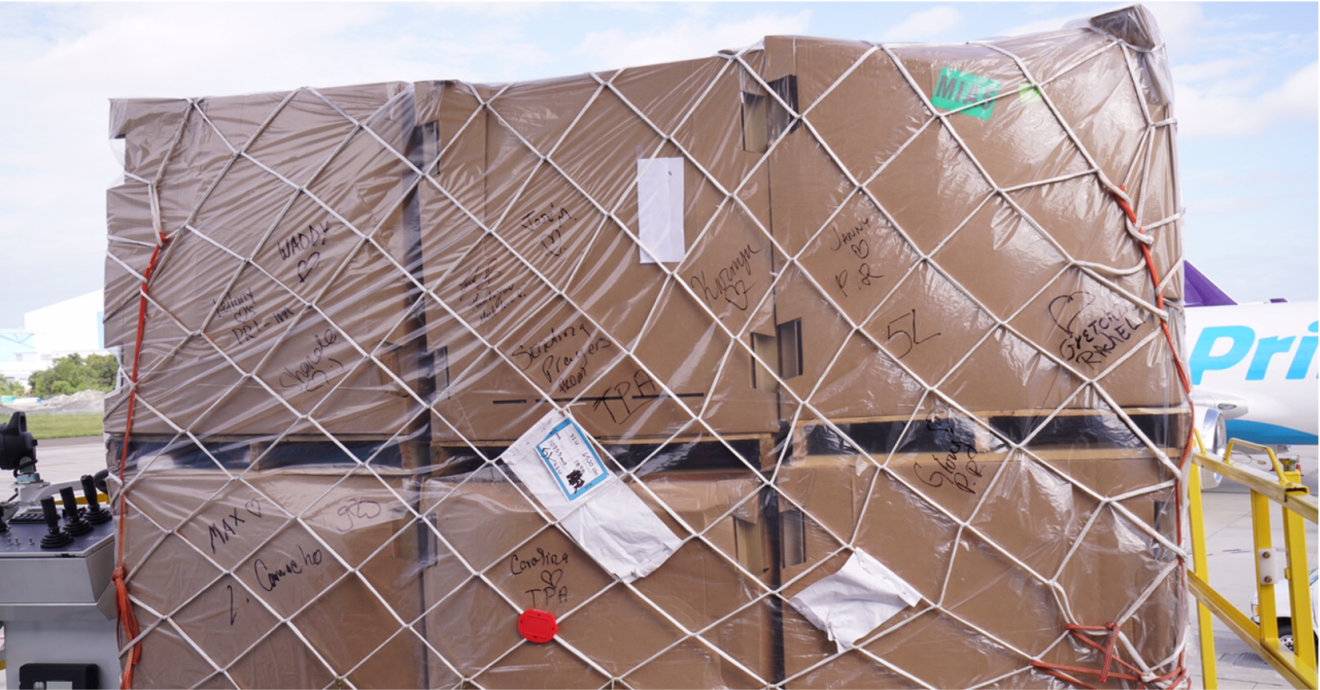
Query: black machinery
point(57, 601)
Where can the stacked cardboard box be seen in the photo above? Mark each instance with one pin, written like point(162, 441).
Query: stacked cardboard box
point(701, 620)
point(812, 299)
point(530, 244)
point(264, 576)
point(283, 212)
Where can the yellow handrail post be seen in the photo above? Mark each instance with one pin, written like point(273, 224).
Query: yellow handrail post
point(1299, 587)
point(1201, 567)
point(1263, 542)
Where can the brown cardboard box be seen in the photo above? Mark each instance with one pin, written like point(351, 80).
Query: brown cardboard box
point(237, 556)
point(1028, 520)
point(717, 588)
point(540, 293)
point(257, 313)
point(935, 236)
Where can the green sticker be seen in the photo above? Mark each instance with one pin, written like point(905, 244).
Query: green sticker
point(957, 89)
point(1028, 94)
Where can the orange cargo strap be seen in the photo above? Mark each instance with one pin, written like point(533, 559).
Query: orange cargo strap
point(1106, 672)
point(127, 618)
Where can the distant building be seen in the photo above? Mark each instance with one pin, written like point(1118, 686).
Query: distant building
point(15, 343)
point(64, 328)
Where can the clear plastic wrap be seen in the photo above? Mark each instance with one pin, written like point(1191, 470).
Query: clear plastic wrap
point(656, 351)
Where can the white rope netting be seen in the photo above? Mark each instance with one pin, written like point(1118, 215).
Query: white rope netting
point(361, 297)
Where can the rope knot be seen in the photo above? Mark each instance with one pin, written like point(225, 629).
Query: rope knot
point(1133, 229)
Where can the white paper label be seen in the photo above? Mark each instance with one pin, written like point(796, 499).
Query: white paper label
point(571, 459)
point(660, 210)
point(603, 515)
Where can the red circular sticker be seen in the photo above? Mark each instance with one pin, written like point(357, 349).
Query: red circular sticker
point(538, 626)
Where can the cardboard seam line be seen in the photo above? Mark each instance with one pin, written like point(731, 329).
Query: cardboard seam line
point(697, 416)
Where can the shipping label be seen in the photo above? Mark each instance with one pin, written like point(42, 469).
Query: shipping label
point(571, 459)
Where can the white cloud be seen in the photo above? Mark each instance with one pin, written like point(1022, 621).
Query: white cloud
point(683, 39)
point(1214, 69)
point(1181, 24)
point(1300, 94)
point(1203, 114)
point(1236, 20)
point(498, 9)
point(1223, 109)
point(926, 25)
point(648, 8)
point(696, 8)
point(699, 10)
point(1040, 26)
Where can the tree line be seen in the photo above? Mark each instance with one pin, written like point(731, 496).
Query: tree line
point(66, 376)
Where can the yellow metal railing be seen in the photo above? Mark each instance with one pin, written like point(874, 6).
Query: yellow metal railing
point(1285, 489)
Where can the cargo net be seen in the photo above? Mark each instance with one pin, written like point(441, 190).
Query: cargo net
point(889, 397)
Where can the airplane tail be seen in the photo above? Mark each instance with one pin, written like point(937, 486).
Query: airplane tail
point(1202, 292)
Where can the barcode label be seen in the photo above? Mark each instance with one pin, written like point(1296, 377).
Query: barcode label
point(571, 459)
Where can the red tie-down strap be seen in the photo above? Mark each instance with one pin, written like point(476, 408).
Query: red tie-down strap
point(1124, 204)
point(1107, 670)
point(1164, 324)
point(127, 618)
point(1128, 672)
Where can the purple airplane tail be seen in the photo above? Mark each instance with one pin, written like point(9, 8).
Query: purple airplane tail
point(1202, 292)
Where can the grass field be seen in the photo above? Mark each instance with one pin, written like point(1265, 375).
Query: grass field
point(44, 426)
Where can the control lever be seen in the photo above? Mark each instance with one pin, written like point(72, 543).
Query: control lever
point(95, 513)
point(77, 525)
point(56, 537)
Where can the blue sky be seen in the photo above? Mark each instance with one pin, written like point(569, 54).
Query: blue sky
point(1245, 83)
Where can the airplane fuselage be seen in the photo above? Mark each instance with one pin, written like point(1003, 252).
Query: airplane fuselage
point(1259, 363)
